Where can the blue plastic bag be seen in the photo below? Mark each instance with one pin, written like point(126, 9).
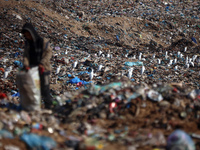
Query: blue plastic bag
point(83, 72)
point(117, 37)
point(6, 134)
point(16, 95)
point(37, 142)
point(77, 80)
point(16, 54)
point(194, 40)
point(18, 63)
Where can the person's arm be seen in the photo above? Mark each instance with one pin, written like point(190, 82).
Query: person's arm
point(25, 58)
point(47, 53)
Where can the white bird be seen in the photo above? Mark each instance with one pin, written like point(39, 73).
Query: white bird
point(100, 52)
point(139, 57)
point(175, 61)
point(103, 55)
point(178, 54)
point(92, 74)
point(185, 49)
point(126, 55)
point(166, 53)
point(168, 65)
point(134, 57)
point(154, 55)
point(130, 72)
point(190, 60)
point(194, 58)
point(100, 67)
point(6, 74)
point(58, 69)
point(108, 55)
point(75, 64)
point(159, 61)
point(187, 65)
point(170, 62)
point(192, 64)
point(142, 70)
point(181, 55)
point(66, 52)
point(176, 67)
point(186, 59)
point(143, 59)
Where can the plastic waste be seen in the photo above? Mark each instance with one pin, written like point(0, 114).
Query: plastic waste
point(109, 33)
point(77, 80)
point(96, 89)
point(194, 94)
point(11, 147)
point(16, 95)
point(194, 40)
point(18, 63)
point(154, 96)
point(180, 140)
point(133, 64)
point(6, 134)
point(35, 141)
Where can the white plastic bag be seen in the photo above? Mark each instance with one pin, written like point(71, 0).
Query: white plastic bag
point(29, 89)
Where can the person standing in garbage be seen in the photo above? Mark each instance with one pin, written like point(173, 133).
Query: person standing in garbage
point(37, 52)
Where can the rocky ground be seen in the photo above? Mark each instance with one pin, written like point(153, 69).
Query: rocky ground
point(115, 108)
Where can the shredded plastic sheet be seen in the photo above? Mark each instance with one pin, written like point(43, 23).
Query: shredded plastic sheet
point(37, 142)
point(138, 63)
point(77, 80)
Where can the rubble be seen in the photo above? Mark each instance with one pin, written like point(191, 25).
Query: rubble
point(125, 74)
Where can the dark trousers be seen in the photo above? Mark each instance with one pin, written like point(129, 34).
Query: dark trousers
point(45, 91)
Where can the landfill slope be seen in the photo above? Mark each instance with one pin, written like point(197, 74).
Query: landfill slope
point(106, 117)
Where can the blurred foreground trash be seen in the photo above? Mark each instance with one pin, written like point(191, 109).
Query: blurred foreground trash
point(131, 51)
point(6, 134)
point(195, 95)
point(179, 140)
point(35, 141)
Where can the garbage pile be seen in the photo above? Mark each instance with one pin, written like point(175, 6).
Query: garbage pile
point(126, 75)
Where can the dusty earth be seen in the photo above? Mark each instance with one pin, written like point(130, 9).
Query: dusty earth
point(136, 33)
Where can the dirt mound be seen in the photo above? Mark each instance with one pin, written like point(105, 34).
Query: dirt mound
point(110, 33)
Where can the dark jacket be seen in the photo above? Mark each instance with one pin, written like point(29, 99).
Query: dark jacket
point(40, 47)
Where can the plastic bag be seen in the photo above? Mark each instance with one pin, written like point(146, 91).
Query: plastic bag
point(97, 89)
point(180, 140)
point(37, 142)
point(6, 134)
point(133, 64)
point(77, 80)
point(29, 88)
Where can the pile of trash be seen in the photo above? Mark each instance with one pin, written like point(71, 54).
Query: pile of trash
point(126, 75)
point(119, 113)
